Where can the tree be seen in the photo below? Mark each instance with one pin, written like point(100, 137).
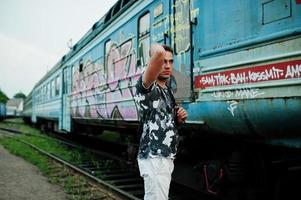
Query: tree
point(3, 97)
point(19, 95)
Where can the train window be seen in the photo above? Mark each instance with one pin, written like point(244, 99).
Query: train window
point(125, 2)
point(38, 96)
point(107, 48)
point(52, 88)
point(49, 90)
point(65, 81)
point(94, 26)
point(81, 65)
point(74, 47)
point(68, 82)
point(108, 45)
point(41, 93)
point(182, 26)
point(46, 92)
point(144, 24)
point(117, 8)
point(57, 86)
point(144, 39)
point(75, 77)
point(108, 16)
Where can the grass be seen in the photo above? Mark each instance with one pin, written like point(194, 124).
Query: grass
point(110, 136)
point(44, 142)
point(26, 152)
point(45, 165)
point(48, 144)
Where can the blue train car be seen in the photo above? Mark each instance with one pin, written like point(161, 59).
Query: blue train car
point(246, 68)
point(46, 100)
point(237, 70)
point(229, 65)
point(2, 111)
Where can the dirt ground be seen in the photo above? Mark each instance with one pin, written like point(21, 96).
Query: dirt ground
point(21, 180)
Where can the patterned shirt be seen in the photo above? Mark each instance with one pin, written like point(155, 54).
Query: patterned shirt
point(159, 136)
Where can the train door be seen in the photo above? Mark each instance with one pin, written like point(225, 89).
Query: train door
point(181, 41)
point(171, 25)
point(34, 104)
point(66, 114)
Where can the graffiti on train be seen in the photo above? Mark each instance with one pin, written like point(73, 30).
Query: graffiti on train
point(232, 106)
point(106, 89)
point(243, 93)
point(270, 72)
point(232, 95)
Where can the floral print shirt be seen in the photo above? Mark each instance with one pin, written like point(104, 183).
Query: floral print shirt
point(159, 135)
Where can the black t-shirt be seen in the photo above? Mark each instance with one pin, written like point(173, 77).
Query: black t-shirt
point(160, 136)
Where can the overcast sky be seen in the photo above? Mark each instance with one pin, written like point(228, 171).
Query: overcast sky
point(34, 36)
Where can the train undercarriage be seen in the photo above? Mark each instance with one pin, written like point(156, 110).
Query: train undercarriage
point(228, 167)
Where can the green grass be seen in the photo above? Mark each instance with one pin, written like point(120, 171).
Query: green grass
point(48, 144)
point(43, 163)
point(110, 136)
point(19, 125)
point(44, 142)
point(26, 152)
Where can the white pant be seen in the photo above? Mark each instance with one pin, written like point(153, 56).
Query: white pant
point(156, 173)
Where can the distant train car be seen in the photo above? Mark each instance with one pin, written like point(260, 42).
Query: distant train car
point(14, 107)
point(2, 111)
point(47, 100)
point(238, 74)
point(27, 110)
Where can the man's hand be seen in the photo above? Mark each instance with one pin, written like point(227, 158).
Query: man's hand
point(181, 114)
point(155, 65)
point(156, 48)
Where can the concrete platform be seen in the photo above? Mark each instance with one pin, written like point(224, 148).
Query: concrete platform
point(22, 180)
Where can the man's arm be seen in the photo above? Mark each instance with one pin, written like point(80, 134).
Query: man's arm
point(154, 65)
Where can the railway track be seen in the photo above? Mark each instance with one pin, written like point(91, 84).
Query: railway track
point(111, 172)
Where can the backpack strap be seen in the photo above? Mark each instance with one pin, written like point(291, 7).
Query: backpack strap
point(174, 105)
point(173, 100)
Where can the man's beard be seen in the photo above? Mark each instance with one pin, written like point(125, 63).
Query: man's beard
point(162, 78)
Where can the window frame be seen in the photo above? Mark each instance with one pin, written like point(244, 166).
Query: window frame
point(141, 36)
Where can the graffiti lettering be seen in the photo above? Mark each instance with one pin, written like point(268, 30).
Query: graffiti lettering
point(278, 71)
point(244, 93)
point(293, 71)
point(232, 106)
point(107, 94)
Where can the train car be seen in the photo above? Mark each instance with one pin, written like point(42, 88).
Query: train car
point(2, 111)
point(14, 107)
point(27, 109)
point(237, 70)
point(47, 101)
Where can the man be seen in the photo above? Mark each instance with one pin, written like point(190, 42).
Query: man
point(160, 117)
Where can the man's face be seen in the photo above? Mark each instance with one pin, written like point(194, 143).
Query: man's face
point(167, 66)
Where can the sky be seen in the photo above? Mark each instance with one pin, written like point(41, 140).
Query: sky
point(34, 36)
